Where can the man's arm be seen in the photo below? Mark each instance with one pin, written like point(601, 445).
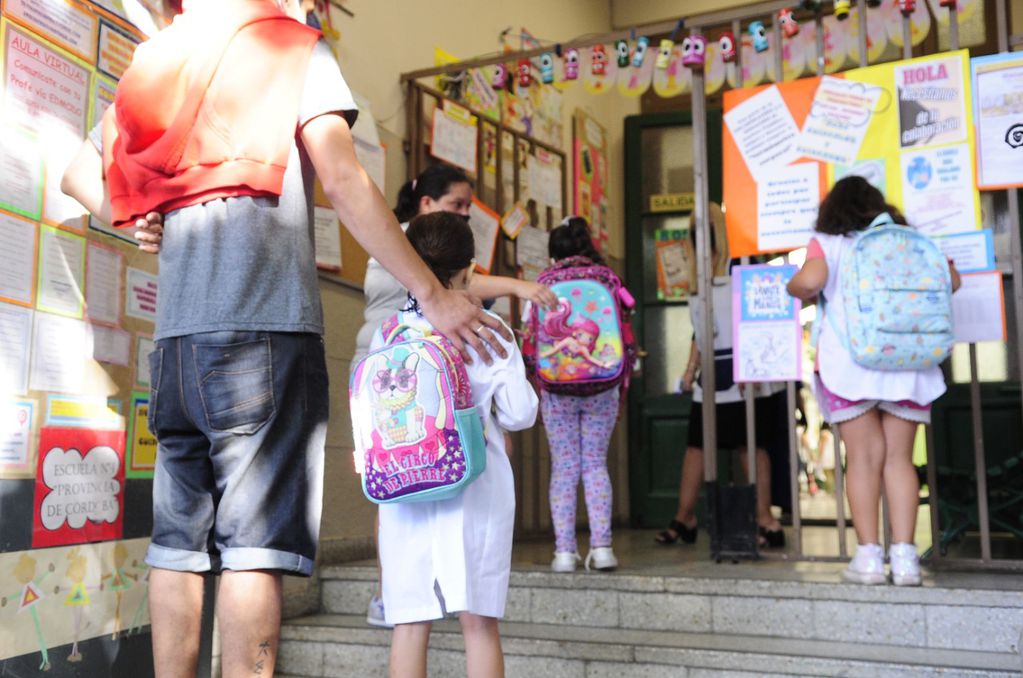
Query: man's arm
point(83, 180)
point(362, 210)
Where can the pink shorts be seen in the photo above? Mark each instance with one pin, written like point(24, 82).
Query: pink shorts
point(835, 409)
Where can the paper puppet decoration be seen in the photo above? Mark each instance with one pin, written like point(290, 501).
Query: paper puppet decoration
point(726, 45)
point(947, 3)
point(622, 48)
point(598, 60)
point(788, 23)
point(842, 8)
point(571, 63)
point(907, 7)
point(499, 77)
point(525, 77)
point(546, 68)
point(664, 54)
point(694, 51)
point(640, 53)
point(759, 35)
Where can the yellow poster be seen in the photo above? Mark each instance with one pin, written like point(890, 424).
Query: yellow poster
point(141, 443)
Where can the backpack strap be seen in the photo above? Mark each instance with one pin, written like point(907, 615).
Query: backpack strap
point(882, 219)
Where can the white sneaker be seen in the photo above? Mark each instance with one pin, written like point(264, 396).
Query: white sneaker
point(375, 613)
point(564, 561)
point(904, 565)
point(602, 557)
point(867, 566)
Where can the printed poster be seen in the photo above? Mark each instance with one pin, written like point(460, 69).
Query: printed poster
point(111, 345)
point(79, 490)
point(141, 291)
point(16, 420)
point(15, 345)
point(83, 412)
point(787, 203)
point(590, 176)
point(21, 172)
point(937, 189)
point(766, 331)
point(978, 308)
point(454, 136)
point(17, 260)
point(838, 120)
point(141, 443)
point(61, 272)
point(116, 47)
point(144, 345)
point(531, 253)
point(764, 131)
point(931, 101)
point(972, 251)
point(485, 224)
point(65, 22)
point(675, 263)
point(998, 116)
point(60, 349)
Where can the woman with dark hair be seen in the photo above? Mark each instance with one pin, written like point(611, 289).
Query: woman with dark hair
point(877, 411)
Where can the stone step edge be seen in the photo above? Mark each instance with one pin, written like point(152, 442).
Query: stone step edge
point(616, 645)
point(731, 586)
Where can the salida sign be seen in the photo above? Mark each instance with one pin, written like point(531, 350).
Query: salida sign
point(79, 486)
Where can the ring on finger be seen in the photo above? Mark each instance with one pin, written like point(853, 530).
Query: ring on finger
point(478, 329)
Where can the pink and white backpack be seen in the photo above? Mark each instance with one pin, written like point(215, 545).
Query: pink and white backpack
point(418, 435)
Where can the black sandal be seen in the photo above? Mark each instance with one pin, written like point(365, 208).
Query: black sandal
point(772, 539)
point(686, 534)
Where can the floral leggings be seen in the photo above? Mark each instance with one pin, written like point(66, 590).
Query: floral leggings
point(579, 430)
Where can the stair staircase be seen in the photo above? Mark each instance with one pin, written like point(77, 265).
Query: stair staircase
point(700, 621)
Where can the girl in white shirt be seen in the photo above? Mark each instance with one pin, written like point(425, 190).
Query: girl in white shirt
point(454, 556)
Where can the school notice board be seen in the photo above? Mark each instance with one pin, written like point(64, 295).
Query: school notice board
point(906, 126)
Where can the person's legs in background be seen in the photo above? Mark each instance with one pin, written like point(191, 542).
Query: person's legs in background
point(561, 420)
point(599, 415)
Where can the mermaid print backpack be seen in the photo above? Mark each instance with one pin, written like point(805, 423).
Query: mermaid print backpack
point(418, 435)
point(896, 291)
point(585, 345)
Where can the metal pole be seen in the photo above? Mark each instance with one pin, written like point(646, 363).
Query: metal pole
point(953, 27)
point(705, 273)
point(819, 39)
point(839, 493)
point(861, 13)
point(907, 37)
point(779, 68)
point(980, 463)
point(932, 493)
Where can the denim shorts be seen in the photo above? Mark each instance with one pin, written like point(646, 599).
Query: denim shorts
point(241, 421)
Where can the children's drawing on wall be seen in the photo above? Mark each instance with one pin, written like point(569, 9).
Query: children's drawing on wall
point(78, 595)
point(29, 597)
point(120, 581)
point(766, 350)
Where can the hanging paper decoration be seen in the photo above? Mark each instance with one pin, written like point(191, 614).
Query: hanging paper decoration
point(632, 82)
point(907, 7)
point(546, 68)
point(754, 63)
point(571, 63)
point(525, 76)
point(499, 76)
point(726, 45)
point(599, 73)
point(694, 51)
point(788, 23)
point(664, 54)
point(877, 36)
point(919, 22)
point(842, 8)
point(640, 52)
point(714, 69)
point(622, 49)
point(964, 10)
point(674, 79)
point(793, 57)
point(759, 35)
point(836, 45)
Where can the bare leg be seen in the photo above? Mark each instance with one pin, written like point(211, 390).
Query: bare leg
point(249, 612)
point(483, 655)
point(865, 444)
point(689, 486)
point(765, 518)
point(175, 612)
point(409, 643)
point(902, 486)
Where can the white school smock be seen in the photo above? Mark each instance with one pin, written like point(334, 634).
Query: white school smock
point(839, 372)
point(462, 545)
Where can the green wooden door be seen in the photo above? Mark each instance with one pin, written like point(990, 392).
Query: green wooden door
point(659, 161)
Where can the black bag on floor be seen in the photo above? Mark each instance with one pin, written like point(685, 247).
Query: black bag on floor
point(732, 521)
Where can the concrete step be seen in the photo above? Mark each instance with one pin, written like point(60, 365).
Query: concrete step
point(947, 613)
point(344, 645)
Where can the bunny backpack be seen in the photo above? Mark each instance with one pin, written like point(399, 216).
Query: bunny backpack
point(585, 345)
point(897, 294)
point(418, 435)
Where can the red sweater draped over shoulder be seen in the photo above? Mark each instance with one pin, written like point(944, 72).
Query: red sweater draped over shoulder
point(208, 109)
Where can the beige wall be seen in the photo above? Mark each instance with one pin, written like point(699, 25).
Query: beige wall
point(626, 13)
point(1016, 9)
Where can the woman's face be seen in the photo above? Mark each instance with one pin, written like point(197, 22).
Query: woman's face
point(458, 199)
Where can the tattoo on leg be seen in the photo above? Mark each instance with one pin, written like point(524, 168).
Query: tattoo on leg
point(264, 651)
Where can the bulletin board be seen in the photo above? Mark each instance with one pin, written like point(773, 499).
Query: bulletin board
point(77, 311)
point(589, 175)
point(906, 126)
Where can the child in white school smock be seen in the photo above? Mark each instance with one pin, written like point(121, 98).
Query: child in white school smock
point(454, 555)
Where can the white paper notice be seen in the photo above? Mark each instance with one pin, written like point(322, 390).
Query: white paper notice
point(327, 230)
point(972, 251)
point(544, 182)
point(978, 308)
point(938, 196)
point(43, 87)
point(374, 160)
point(15, 432)
point(484, 223)
point(454, 141)
point(15, 338)
point(70, 24)
point(60, 349)
point(141, 292)
point(838, 120)
point(111, 345)
point(144, 346)
point(999, 120)
point(764, 131)
point(61, 272)
point(21, 172)
point(17, 260)
point(103, 285)
point(787, 204)
point(531, 248)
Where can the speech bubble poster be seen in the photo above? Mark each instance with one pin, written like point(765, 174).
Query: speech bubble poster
point(79, 487)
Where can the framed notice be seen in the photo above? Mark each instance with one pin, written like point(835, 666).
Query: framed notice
point(485, 224)
point(766, 332)
point(589, 175)
point(454, 136)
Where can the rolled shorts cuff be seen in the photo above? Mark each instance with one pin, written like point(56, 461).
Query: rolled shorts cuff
point(179, 560)
point(252, 558)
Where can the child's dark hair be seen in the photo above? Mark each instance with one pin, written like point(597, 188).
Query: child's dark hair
point(435, 182)
point(851, 205)
point(444, 241)
point(572, 239)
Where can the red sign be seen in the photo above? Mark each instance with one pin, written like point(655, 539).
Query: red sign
point(79, 487)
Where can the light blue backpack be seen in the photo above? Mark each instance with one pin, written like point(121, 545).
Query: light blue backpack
point(896, 289)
